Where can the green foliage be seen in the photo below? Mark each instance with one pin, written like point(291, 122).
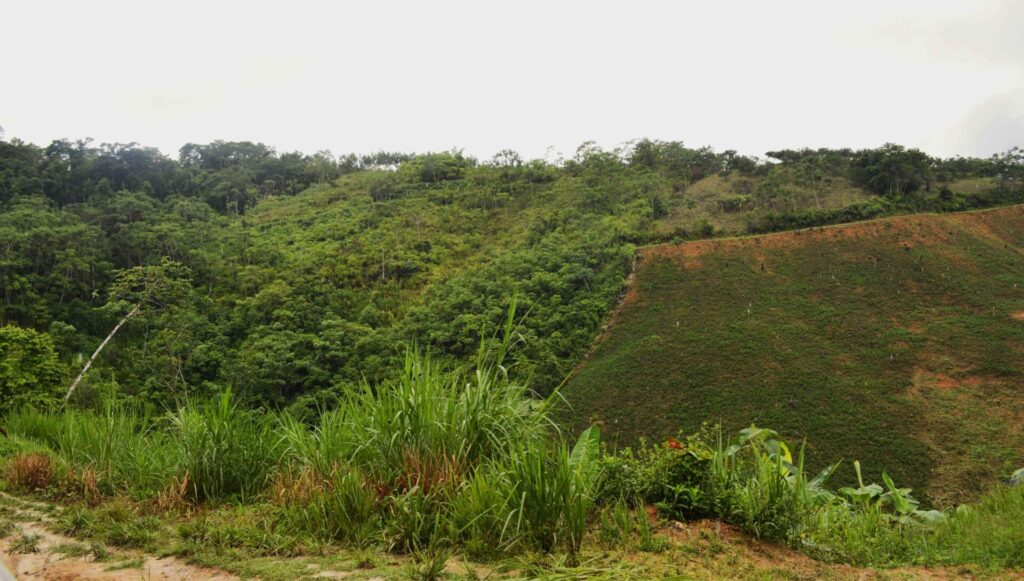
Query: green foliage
point(116, 524)
point(226, 451)
point(671, 477)
point(286, 276)
point(118, 443)
point(340, 506)
point(866, 340)
point(483, 520)
point(29, 370)
point(892, 170)
point(297, 281)
point(752, 481)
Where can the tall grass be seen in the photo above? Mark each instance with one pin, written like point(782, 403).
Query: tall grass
point(427, 424)
point(340, 507)
point(223, 450)
point(216, 448)
point(33, 424)
point(463, 457)
point(119, 443)
point(456, 456)
point(990, 532)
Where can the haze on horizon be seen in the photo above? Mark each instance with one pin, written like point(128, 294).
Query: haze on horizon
point(944, 76)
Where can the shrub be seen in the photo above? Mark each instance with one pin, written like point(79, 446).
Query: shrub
point(670, 476)
point(29, 370)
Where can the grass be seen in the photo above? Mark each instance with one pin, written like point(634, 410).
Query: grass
point(751, 478)
point(706, 201)
point(450, 464)
point(894, 342)
point(224, 451)
point(390, 466)
point(25, 543)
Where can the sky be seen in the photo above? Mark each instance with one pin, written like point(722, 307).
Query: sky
point(537, 77)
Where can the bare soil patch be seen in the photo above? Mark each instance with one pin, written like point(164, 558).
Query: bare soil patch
point(50, 563)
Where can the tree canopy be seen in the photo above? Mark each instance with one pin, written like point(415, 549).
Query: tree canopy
point(291, 277)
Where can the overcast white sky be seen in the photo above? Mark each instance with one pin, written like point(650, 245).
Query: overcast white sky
point(944, 76)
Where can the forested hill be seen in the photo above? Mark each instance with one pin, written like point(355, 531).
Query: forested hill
point(288, 277)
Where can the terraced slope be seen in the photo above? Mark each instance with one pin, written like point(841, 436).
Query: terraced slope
point(899, 342)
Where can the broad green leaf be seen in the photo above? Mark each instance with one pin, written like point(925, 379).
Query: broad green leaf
point(819, 480)
point(587, 448)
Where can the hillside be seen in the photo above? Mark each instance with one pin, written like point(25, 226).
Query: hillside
point(343, 362)
point(898, 342)
point(290, 278)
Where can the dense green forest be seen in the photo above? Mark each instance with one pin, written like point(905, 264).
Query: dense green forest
point(290, 277)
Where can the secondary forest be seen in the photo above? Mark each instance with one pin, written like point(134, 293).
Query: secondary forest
point(367, 350)
point(290, 278)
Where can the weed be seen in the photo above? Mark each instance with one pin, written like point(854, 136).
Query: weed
point(127, 564)
point(76, 520)
point(341, 506)
point(73, 550)
point(25, 543)
point(431, 564)
point(137, 533)
point(98, 551)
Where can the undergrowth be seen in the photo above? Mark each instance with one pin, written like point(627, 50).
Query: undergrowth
point(446, 460)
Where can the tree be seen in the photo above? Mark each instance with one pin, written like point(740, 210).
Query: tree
point(1009, 167)
point(140, 291)
point(892, 170)
point(28, 366)
point(812, 173)
point(773, 190)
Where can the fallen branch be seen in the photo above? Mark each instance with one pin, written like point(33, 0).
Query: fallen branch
point(88, 364)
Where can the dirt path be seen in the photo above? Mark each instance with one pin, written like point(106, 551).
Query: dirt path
point(32, 551)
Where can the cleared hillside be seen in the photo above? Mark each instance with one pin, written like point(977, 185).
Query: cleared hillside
point(899, 342)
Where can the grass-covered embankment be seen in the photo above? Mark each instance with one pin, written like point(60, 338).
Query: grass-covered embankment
point(899, 342)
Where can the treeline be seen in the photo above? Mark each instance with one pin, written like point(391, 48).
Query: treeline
point(230, 176)
point(291, 278)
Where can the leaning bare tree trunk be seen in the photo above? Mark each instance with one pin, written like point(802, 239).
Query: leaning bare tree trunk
point(88, 364)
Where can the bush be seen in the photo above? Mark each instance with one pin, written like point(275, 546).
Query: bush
point(29, 370)
point(669, 476)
